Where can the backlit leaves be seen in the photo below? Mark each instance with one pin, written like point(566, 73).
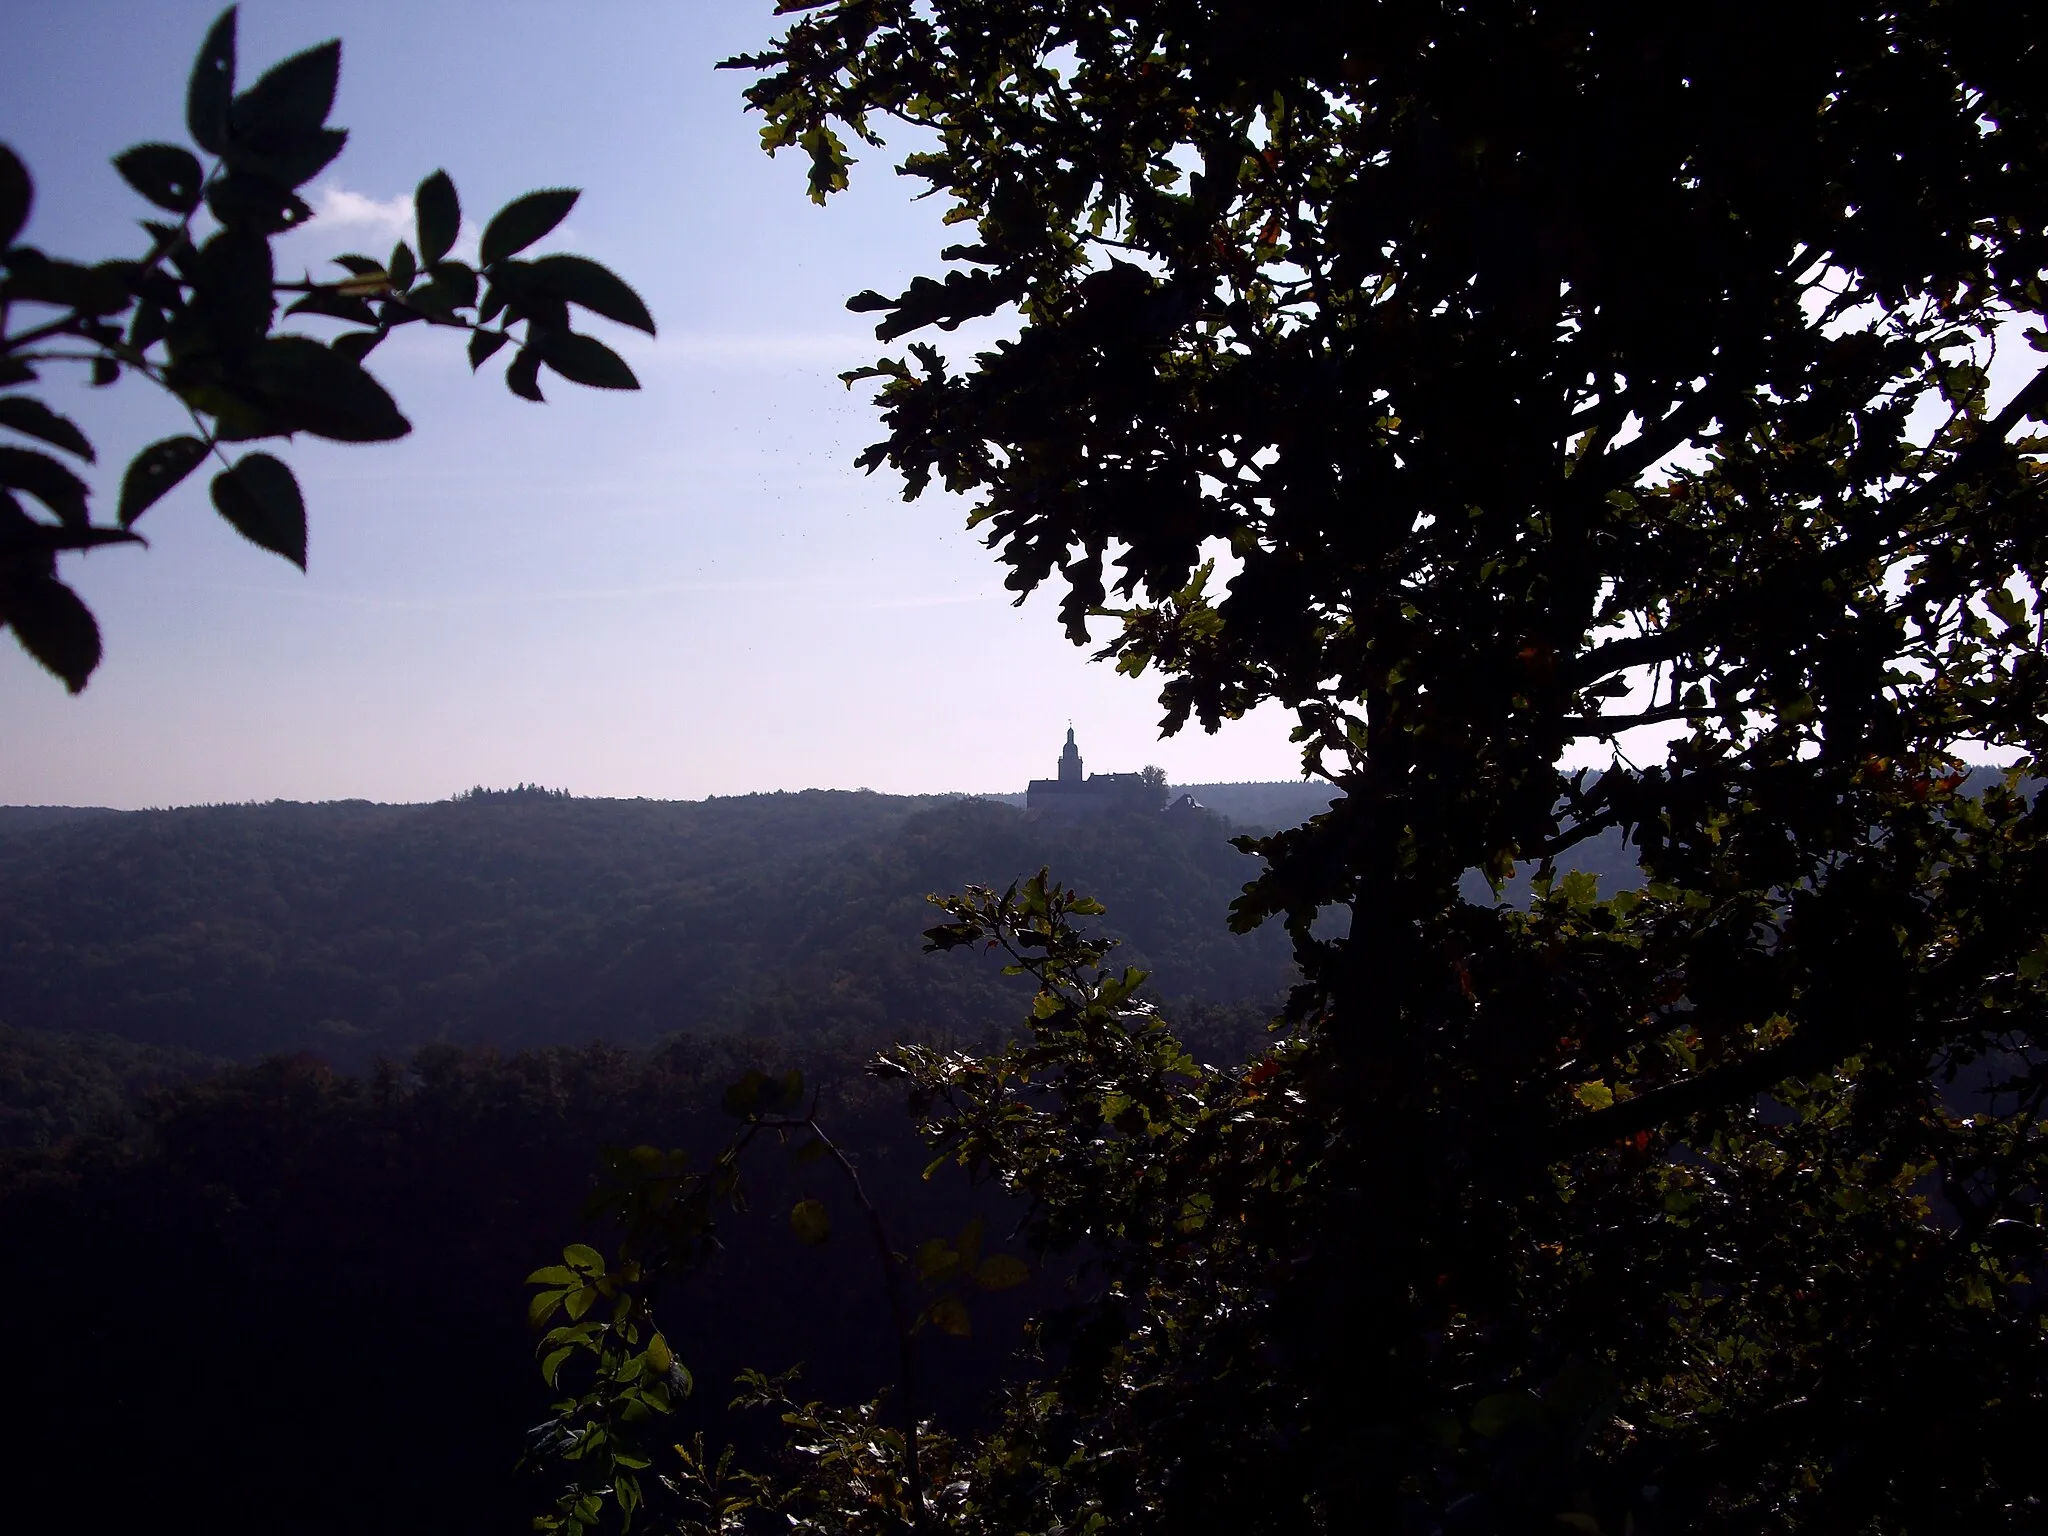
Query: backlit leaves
point(204, 314)
point(16, 194)
point(154, 471)
point(524, 220)
point(260, 498)
point(166, 174)
point(25, 469)
point(437, 214)
point(32, 418)
point(582, 281)
point(212, 86)
point(585, 360)
point(51, 623)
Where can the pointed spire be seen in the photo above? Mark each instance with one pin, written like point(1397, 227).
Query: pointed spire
point(1070, 759)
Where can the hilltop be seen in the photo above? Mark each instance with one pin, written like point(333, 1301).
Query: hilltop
point(355, 930)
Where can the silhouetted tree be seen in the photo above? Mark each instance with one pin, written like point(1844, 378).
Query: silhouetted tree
point(1547, 373)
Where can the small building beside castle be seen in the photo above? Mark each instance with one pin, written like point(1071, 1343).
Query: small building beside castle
point(1097, 791)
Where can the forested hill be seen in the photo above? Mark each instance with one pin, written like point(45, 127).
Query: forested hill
point(357, 930)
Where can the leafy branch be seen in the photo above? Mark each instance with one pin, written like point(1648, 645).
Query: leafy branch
point(196, 317)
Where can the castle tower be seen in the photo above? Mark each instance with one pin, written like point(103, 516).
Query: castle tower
point(1070, 760)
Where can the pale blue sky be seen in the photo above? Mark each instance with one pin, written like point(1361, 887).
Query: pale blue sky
point(683, 592)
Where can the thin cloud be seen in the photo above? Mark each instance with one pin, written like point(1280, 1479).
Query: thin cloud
point(343, 217)
point(337, 207)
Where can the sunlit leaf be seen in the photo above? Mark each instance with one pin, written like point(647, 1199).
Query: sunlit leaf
point(810, 1221)
point(949, 1315)
point(1001, 1271)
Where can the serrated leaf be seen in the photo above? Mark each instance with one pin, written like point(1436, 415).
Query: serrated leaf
point(32, 418)
point(17, 195)
point(53, 626)
point(356, 345)
point(482, 344)
point(597, 288)
point(439, 297)
point(585, 360)
point(335, 305)
point(437, 216)
point(233, 301)
point(260, 498)
point(153, 472)
point(522, 375)
point(167, 174)
point(291, 100)
point(46, 479)
point(1001, 1271)
point(524, 220)
point(811, 1222)
point(321, 391)
point(98, 290)
point(212, 86)
point(263, 205)
point(149, 327)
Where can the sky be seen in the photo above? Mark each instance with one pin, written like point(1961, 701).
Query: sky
point(682, 592)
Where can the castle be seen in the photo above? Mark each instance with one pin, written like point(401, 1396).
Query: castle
point(1098, 791)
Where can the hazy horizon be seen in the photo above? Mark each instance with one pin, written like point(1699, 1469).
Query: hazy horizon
point(684, 592)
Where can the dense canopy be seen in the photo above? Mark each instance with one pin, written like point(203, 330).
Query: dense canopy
point(1485, 383)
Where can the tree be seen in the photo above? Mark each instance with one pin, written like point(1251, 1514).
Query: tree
point(1480, 383)
point(197, 316)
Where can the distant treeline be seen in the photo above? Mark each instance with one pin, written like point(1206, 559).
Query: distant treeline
point(527, 918)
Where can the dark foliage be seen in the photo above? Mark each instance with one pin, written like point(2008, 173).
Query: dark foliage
point(353, 930)
point(197, 316)
point(284, 1299)
point(1548, 373)
point(57, 1086)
